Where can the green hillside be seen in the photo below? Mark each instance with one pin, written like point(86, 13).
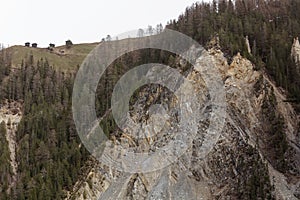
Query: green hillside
point(61, 57)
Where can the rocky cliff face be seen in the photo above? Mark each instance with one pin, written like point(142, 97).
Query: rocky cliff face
point(251, 160)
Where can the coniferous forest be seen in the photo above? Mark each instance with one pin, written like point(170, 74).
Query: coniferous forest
point(49, 157)
point(270, 26)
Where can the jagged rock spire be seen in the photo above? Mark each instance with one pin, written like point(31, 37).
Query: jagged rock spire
point(248, 44)
point(295, 52)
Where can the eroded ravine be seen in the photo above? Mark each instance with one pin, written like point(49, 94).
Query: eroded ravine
point(11, 114)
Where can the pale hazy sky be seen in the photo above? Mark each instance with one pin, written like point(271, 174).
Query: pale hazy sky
point(54, 21)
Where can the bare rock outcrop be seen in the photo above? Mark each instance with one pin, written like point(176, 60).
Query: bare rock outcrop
point(295, 52)
point(238, 166)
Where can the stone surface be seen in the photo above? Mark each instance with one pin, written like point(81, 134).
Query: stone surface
point(232, 161)
point(295, 52)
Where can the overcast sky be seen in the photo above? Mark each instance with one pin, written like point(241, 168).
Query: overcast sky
point(54, 21)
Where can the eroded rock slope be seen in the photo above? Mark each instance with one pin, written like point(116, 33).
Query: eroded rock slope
point(256, 157)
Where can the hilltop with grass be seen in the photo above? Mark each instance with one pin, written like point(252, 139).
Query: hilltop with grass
point(65, 58)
